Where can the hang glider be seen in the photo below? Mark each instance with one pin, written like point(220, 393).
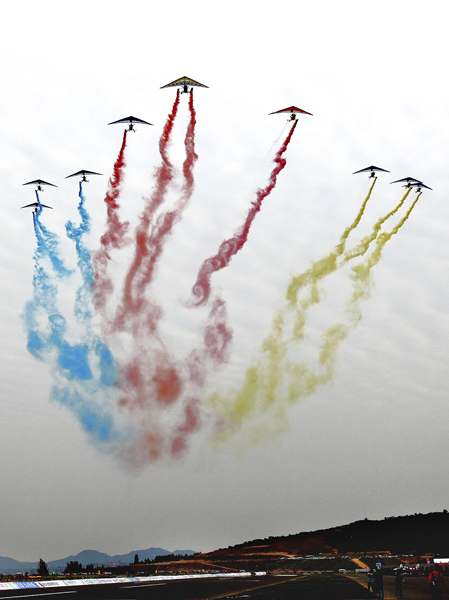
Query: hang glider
point(83, 174)
point(412, 182)
point(131, 121)
point(418, 185)
point(406, 179)
point(373, 170)
point(293, 110)
point(37, 206)
point(39, 183)
point(184, 83)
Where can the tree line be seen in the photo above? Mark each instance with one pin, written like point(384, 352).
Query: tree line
point(74, 567)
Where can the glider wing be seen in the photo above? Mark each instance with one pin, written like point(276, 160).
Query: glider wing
point(292, 110)
point(184, 81)
point(39, 182)
point(82, 173)
point(371, 168)
point(130, 120)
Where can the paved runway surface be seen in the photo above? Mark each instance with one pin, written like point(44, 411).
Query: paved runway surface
point(193, 589)
point(414, 588)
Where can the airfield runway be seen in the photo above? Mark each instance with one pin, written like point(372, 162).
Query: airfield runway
point(186, 589)
point(415, 588)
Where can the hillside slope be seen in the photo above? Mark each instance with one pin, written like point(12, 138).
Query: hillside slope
point(417, 534)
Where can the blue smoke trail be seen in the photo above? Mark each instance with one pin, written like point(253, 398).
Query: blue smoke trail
point(44, 291)
point(76, 234)
point(82, 307)
point(49, 243)
point(78, 363)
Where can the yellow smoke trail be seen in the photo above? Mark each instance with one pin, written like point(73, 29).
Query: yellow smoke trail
point(307, 381)
point(361, 276)
point(361, 273)
point(265, 378)
point(318, 270)
point(362, 247)
point(261, 385)
point(323, 267)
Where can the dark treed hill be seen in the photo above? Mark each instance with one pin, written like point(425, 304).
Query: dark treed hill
point(416, 534)
point(99, 558)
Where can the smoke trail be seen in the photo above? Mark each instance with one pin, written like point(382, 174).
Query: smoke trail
point(165, 223)
point(304, 381)
point(217, 333)
point(275, 380)
point(202, 288)
point(216, 338)
point(83, 296)
point(326, 265)
point(114, 236)
point(318, 271)
point(151, 381)
point(362, 286)
point(46, 330)
point(49, 243)
point(160, 382)
point(361, 273)
point(134, 282)
point(363, 246)
point(150, 384)
point(44, 292)
point(137, 282)
point(82, 308)
point(190, 424)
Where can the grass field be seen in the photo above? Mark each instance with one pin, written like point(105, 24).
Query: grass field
point(313, 587)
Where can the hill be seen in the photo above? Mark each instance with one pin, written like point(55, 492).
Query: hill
point(417, 534)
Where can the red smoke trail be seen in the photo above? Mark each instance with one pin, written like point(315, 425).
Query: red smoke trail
point(149, 376)
point(161, 381)
point(191, 423)
point(216, 338)
point(164, 225)
point(151, 380)
point(202, 287)
point(164, 174)
point(114, 237)
point(191, 156)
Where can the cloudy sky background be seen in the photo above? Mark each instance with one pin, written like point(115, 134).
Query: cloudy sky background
point(373, 442)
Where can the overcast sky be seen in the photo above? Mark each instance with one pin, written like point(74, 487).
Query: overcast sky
point(371, 439)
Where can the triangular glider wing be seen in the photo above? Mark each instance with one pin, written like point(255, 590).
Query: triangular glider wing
point(184, 81)
point(82, 173)
point(130, 120)
point(36, 204)
point(407, 179)
point(420, 184)
point(291, 109)
point(39, 182)
point(371, 168)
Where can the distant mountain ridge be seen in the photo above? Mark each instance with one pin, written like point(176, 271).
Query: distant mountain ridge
point(86, 557)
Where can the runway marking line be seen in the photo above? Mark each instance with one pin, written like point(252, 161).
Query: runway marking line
point(254, 588)
point(149, 584)
point(42, 594)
